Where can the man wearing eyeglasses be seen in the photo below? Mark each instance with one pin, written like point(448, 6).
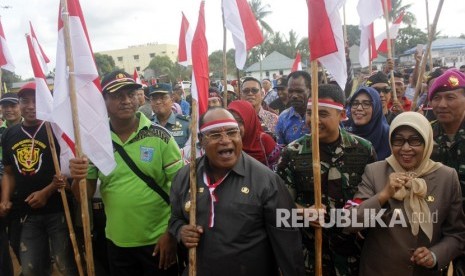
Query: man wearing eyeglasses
point(380, 82)
point(251, 91)
point(447, 98)
point(161, 101)
point(137, 210)
point(237, 202)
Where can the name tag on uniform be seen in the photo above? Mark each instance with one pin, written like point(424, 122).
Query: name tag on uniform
point(177, 133)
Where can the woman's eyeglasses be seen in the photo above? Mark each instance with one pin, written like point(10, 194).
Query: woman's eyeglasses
point(413, 141)
point(364, 104)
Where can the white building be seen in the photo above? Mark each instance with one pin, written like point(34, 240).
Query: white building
point(274, 63)
point(444, 52)
point(139, 56)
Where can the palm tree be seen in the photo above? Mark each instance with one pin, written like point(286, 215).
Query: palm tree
point(261, 11)
point(397, 8)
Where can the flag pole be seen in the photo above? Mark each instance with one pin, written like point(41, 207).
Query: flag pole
point(193, 185)
point(425, 55)
point(316, 167)
point(72, 235)
point(2, 91)
point(429, 30)
point(225, 68)
point(388, 37)
point(77, 138)
point(370, 60)
point(345, 24)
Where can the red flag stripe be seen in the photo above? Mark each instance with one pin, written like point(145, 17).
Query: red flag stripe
point(182, 50)
point(200, 61)
point(253, 34)
point(320, 33)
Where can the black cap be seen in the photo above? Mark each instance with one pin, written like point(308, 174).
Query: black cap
point(9, 98)
point(162, 88)
point(378, 77)
point(281, 82)
point(116, 80)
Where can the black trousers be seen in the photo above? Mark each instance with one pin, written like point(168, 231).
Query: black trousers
point(136, 261)
point(6, 265)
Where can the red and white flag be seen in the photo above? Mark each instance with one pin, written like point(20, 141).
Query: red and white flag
point(93, 117)
point(6, 61)
point(200, 78)
point(381, 39)
point(325, 37)
point(136, 77)
point(185, 43)
point(241, 22)
point(367, 50)
point(44, 99)
point(297, 65)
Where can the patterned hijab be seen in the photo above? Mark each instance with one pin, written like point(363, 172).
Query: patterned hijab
point(252, 129)
point(377, 130)
point(414, 198)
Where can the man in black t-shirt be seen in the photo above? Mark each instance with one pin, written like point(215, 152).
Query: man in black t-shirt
point(30, 174)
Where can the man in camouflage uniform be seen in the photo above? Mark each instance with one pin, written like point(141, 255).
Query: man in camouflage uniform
point(343, 159)
point(447, 98)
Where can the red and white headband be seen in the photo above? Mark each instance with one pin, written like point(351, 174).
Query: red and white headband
point(217, 124)
point(326, 103)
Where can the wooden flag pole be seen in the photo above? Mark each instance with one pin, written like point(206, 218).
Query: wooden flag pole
point(430, 58)
point(425, 55)
point(225, 67)
point(193, 186)
point(388, 39)
point(77, 138)
point(345, 24)
point(370, 60)
point(316, 167)
point(72, 235)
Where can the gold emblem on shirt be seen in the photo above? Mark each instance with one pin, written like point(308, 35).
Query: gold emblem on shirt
point(430, 198)
point(187, 206)
point(245, 190)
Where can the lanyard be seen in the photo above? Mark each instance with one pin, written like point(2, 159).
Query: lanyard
point(32, 137)
point(211, 189)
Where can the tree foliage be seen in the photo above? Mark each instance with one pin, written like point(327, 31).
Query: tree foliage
point(105, 64)
point(9, 78)
point(408, 38)
point(162, 66)
point(215, 61)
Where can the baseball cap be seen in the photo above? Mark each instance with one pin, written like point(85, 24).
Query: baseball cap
point(30, 86)
point(9, 98)
point(281, 83)
point(116, 80)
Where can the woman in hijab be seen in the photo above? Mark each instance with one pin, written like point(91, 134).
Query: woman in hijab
point(366, 119)
point(255, 142)
point(422, 226)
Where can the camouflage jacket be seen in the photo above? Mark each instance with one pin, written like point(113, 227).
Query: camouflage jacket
point(342, 166)
point(450, 153)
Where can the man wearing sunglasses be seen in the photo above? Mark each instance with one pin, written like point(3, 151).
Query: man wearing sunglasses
point(380, 82)
point(251, 91)
point(237, 202)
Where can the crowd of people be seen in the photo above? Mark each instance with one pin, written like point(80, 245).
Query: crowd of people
point(378, 153)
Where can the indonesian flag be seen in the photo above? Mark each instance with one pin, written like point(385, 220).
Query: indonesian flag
point(325, 37)
point(367, 41)
point(6, 62)
point(200, 78)
point(44, 99)
point(185, 43)
point(136, 77)
point(240, 21)
point(93, 117)
point(381, 39)
point(297, 65)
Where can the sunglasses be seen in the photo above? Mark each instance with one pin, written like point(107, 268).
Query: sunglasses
point(384, 90)
point(248, 90)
